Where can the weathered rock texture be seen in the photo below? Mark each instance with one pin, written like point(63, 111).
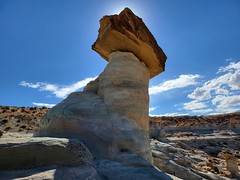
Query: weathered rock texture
point(36, 152)
point(111, 115)
point(26, 157)
point(124, 88)
point(126, 32)
point(195, 151)
point(232, 165)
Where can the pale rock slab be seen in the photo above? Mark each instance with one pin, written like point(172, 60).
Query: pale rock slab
point(52, 173)
point(102, 169)
point(35, 152)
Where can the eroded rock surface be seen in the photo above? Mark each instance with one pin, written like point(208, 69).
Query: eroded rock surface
point(27, 157)
point(34, 152)
point(111, 115)
point(198, 156)
point(126, 32)
point(232, 165)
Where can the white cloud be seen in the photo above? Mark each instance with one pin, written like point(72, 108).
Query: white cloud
point(222, 91)
point(197, 107)
point(193, 105)
point(230, 67)
point(231, 79)
point(202, 111)
point(59, 91)
point(31, 85)
point(204, 92)
point(234, 82)
point(227, 103)
point(168, 114)
point(200, 93)
point(181, 82)
point(152, 108)
point(44, 104)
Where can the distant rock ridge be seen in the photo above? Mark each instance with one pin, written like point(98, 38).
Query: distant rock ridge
point(27, 119)
point(228, 120)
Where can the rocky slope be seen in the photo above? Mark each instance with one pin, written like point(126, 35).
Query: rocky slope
point(26, 119)
point(20, 119)
point(231, 120)
point(210, 155)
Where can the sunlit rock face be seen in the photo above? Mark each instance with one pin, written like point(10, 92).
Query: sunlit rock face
point(126, 32)
point(124, 88)
point(111, 115)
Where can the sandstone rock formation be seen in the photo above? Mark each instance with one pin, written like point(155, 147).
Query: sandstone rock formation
point(185, 162)
point(111, 115)
point(126, 32)
point(232, 165)
point(34, 152)
point(26, 157)
point(192, 154)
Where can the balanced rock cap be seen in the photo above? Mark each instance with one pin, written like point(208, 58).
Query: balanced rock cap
point(127, 32)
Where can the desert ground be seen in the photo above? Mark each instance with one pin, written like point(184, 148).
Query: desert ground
point(187, 147)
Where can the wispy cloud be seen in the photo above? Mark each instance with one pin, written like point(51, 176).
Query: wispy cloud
point(230, 79)
point(197, 107)
point(152, 109)
point(181, 82)
point(60, 91)
point(232, 66)
point(227, 103)
point(169, 114)
point(202, 111)
point(44, 104)
point(221, 92)
point(193, 105)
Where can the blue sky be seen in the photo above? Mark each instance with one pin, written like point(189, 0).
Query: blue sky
point(45, 51)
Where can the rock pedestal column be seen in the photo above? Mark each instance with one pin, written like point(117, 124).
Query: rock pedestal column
point(111, 115)
point(123, 86)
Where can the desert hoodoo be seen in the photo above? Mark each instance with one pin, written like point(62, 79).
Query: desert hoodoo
point(111, 115)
